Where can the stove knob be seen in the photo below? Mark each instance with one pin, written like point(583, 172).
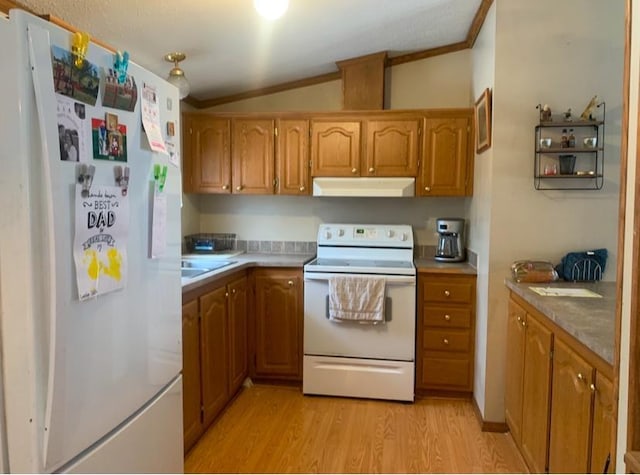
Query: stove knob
point(390, 233)
point(403, 237)
point(340, 232)
point(327, 234)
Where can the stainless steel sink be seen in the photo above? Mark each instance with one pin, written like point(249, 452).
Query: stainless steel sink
point(194, 268)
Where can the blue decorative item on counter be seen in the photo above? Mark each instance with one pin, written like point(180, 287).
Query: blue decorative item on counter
point(583, 266)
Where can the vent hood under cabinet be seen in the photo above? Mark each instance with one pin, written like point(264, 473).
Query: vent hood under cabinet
point(364, 187)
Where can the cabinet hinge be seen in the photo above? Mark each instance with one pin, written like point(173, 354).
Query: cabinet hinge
point(310, 163)
point(276, 182)
point(551, 354)
point(202, 413)
point(275, 131)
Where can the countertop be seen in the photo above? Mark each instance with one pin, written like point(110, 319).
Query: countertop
point(590, 320)
point(244, 261)
point(429, 264)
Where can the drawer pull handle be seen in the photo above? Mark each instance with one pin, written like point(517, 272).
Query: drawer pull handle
point(445, 341)
point(447, 317)
point(447, 293)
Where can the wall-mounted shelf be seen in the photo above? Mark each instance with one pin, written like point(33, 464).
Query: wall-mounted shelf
point(569, 154)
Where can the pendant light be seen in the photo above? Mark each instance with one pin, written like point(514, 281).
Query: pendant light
point(176, 75)
point(271, 9)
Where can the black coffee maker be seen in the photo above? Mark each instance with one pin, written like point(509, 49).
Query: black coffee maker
point(450, 246)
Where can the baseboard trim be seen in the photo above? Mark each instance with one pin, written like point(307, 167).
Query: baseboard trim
point(488, 426)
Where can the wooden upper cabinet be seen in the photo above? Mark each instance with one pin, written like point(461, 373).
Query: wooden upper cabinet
point(570, 428)
point(392, 147)
point(253, 156)
point(536, 394)
point(292, 157)
point(335, 147)
point(516, 321)
point(447, 167)
point(207, 154)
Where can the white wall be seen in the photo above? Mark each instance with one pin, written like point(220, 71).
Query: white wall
point(560, 53)
point(437, 82)
point(480, 213)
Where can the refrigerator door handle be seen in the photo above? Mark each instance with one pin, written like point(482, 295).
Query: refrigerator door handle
point(39, 57)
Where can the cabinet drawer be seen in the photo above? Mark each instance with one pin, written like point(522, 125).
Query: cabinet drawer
point(448, 291)
point(446, 340)
point(446, 317)
point(446, 372)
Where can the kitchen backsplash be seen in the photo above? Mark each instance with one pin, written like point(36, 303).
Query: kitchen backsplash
point(277, 247)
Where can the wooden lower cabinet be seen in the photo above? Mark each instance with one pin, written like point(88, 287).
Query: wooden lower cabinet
point(445, 332)
point(559, 405)
point(278, 317)
point(214, 352)
point(535, 394)
point(191, 402)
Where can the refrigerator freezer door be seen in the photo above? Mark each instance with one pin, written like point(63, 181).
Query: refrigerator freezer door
point(108, 356)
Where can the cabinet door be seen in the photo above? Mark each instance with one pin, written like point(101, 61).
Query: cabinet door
point(292, 157)
point(604, 426)
point(252, 156)
point(213, 350)
point(536, 394)
point(447, 161)
point(191, 402)
point(515, 369)
point(335, 148)
point(392, 147)
point(570, 411)
point(278, 313)
point(207, 155)
point(238, 368)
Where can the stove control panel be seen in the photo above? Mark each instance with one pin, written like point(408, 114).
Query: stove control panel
point(365, 235)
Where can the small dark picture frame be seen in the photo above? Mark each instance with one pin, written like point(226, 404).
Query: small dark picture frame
point(483, 121)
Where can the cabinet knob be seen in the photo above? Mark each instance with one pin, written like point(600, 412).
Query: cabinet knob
point(524, 324)
point(226, 294)
point(239, 188)
point(371, 170)
point(427, 188)
point(447, 317)
point(447, 293)
point(581, 377)
point(233, 291)
point(445, 341)
point(518, 318)
point(290, 283)
point(592, 387)
point(302, 188)
point(354, 170)
point(225, 187)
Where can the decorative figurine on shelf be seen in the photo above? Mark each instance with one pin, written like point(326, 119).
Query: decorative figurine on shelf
point(567, 115)
point(586, 115)
point(545, 113)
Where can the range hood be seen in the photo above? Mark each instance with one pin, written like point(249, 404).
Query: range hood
point(366, 186)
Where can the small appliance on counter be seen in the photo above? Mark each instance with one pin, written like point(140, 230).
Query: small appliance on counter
point(221, 245)
point(450, 246)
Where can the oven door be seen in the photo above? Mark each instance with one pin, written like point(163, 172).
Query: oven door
point(392, 340)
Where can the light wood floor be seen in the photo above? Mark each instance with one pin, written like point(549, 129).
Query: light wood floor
point(271, 429)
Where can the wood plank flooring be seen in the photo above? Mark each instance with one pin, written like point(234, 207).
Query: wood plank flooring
point(272, 429)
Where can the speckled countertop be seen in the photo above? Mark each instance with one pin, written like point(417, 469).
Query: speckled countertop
point(590, 320)
point(244, 261)
point(426, 264)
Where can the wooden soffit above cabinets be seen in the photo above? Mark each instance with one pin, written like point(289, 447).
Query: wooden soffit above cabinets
point(363, 82)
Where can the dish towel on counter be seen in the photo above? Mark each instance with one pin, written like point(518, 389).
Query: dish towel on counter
point(357, 299)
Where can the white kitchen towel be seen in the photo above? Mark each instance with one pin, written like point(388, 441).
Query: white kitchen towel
point(359, 299)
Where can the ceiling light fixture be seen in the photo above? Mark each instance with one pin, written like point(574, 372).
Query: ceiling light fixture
point(176, 75)
point(271, 9)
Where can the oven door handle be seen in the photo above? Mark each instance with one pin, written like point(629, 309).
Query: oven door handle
point(388, 313)
point(389, 279)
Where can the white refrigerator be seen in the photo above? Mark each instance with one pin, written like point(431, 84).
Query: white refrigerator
point(91, 382)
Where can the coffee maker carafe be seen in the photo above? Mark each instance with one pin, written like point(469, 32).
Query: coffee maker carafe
point(450, 246)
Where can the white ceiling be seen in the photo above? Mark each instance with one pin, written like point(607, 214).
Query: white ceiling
point(230, 49)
